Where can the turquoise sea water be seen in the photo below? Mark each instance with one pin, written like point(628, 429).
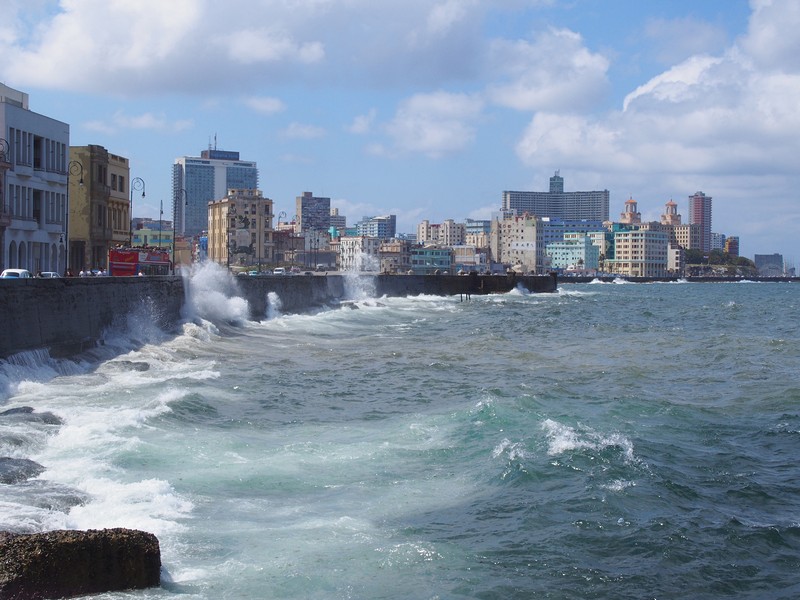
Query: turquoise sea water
point(608, 441)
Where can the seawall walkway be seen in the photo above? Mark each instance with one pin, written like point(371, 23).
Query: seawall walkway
point(67, 316)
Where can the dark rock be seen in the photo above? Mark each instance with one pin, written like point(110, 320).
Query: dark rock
point(65, 564)
point(14, 470)
point(133, 365)
point(28, 415)
point(20, 410)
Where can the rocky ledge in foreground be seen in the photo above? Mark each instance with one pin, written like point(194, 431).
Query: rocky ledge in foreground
point(65, 564)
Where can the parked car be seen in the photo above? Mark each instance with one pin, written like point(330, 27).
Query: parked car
point(279, 271)
point(48, 275)
point(15, 274)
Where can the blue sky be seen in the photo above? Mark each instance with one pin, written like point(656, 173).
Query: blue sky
point(429, 109)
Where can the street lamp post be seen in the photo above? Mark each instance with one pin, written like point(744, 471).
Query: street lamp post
point(175, 220)
point(137, 183)
point(75, 168)
point(5, 211)
point(283, 245)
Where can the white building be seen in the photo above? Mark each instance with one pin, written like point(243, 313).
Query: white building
point(34, 161)
point(359, 253)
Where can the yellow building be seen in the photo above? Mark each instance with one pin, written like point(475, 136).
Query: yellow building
point(240, 229)
point(98, 205)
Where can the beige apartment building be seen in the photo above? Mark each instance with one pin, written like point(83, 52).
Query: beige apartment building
point(446, 233)
point(640, 253)
point(240, 230)
point(517, 241)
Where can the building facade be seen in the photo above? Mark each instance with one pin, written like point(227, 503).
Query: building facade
point(559, 204)
point(639, 253)
point(431, 260)
point(395, 256)
point(700, 214)
point(33, 186)
point(359, 253)
point(384, 227)
point(575, 252)
point(313, 213)
point(198, 180)
point(517, 241)
point(99, 215)
point(240, 230)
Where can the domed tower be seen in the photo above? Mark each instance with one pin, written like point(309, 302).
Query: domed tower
point(631, 216)
point(670, 216)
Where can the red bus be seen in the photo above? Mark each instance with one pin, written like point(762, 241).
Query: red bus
point(130, 262)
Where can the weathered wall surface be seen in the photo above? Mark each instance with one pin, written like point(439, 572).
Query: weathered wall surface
point(69, 315)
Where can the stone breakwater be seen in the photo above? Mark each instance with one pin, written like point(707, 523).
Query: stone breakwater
point(67, 316)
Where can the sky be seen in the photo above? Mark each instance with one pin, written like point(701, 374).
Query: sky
point(430, 109)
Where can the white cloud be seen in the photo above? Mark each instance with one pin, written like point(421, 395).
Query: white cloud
point(198, 46)
point(435, 124)
point(445, 15)
point(145, 121)
point(363, 123)
point(263, 45)
point(553, 72)
point(303, 131)
point(265, 105)
point(677, 84)
point(772, 41)
point(93, 42)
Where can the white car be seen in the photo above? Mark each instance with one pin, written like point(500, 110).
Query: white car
point(15, 274)
point(48, 275)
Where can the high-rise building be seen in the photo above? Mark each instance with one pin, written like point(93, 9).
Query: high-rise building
point(700, 214)
point(196, 181)
point(559, 204)
point(313, 213)
point(34, 162)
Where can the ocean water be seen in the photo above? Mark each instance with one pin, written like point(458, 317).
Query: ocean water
point(607, 441)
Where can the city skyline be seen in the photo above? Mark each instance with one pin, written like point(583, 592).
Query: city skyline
point(432, 110)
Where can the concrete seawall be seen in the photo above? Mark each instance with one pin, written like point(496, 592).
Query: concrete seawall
point(70, 315)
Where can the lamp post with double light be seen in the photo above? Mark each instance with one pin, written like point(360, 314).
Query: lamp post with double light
point(74, 169)
point(137, 183)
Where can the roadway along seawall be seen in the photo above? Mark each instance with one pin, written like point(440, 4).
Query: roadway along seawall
point(67, 316)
